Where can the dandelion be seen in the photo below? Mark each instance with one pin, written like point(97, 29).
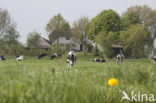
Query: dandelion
point(113, 82)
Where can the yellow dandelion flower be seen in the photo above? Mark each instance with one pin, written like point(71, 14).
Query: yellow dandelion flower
point(113, 82)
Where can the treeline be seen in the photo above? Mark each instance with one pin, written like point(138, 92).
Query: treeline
point(135, 30)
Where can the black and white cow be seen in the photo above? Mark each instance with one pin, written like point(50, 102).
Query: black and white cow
point(153, 59)
point(99, 60)
point(20, 58)
point(119, 58)
point(71, 58)
point(2, 57)
point(42, 55)
point(58, 55)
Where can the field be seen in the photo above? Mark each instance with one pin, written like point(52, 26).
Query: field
point(33, 81)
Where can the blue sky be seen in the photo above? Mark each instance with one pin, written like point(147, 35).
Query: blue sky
point(33, 15)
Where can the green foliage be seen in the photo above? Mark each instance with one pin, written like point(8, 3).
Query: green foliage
point(106, 41)
point(134, 40)
point(9, 42)
point(5, 21)
point(11, 36)
point(34, 52)
point(57, 49)
point(105, 28)
point(57, 27)
point(85, 50)
point(147, 17)
point(95, 51)
point(11, 49)
point(106, 21)
point(33, 40)
point(129, 19)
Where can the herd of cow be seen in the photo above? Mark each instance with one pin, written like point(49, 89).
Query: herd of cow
point(72, 56)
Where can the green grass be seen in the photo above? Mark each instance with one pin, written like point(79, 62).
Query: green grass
point(32, 81)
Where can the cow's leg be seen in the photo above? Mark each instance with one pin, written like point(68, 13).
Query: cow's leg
point(70, 64)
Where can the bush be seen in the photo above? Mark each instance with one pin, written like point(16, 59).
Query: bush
point(34, 52)
point(95, 51)
point(57, 49)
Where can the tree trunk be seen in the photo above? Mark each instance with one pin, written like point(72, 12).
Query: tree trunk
point(57, 41)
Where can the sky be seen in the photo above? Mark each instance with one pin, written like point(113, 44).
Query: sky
point(33, 15)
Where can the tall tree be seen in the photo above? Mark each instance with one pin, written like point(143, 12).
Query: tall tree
point(135, 40)
point(5, 21)
point(148, 20)
point(80, 28)
point(33, 40)
point(57, 27)
point(105, 40)
point(130, 19)
point(106, 21)
point(11, 44)
point(11, 36)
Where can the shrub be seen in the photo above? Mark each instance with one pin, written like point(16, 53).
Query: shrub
point(57, 49)
point(34, 52)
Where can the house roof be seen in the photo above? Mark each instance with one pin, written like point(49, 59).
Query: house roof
point(117, 46)
point(44, 43)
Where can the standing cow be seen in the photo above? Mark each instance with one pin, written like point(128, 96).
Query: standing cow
point(71, 58)
point(153, 59)
point(2, 57)
point(119, 58)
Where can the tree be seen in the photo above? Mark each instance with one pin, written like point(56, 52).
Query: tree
point(134, 40)
point(5, 21)
point(148, 20)
point(105, 40)
point(11, 36)
point(80, 28)
point(130, 19)
point(33, 40)
point(11, 45)
point(145, 13)
point(106, 21)
point(147, 17)
point(57, 27)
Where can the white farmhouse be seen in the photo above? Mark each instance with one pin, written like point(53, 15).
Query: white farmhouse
point(70, 43)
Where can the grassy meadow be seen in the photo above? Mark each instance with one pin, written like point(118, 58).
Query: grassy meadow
point(32, 80)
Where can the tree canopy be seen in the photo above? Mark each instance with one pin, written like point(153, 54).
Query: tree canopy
point(106, 21)
point(33, 40)
point(57, 27)
point(80, 29)
point(134, 40)
point(130, 19)
point(5, 21)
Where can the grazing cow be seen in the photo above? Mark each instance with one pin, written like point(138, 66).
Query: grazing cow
point(20, 58)
point(119, 58)
point(99, 60)
point(2, 57)
point(41, 55)
point(71, 58)
point(58, 55)
point(153, 59)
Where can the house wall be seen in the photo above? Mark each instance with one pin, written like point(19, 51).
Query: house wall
point(68, 41)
